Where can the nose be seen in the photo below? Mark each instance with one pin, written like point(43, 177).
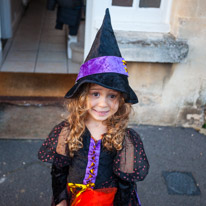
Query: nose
point(103, 101)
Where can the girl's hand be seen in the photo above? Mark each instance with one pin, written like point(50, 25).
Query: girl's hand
point(62, 203)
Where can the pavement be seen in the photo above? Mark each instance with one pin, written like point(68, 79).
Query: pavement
point(176, 155)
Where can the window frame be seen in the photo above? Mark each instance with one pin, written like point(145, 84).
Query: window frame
point(126, 18)
point(135, 18)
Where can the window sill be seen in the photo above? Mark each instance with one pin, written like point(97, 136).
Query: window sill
point(151, 47)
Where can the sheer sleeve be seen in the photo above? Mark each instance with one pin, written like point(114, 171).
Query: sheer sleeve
point(55, 144)
point(130, 163)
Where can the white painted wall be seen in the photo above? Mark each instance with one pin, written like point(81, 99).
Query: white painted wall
point(0, 36)
point(126, 18)
point(0, 44)
point(5, 13)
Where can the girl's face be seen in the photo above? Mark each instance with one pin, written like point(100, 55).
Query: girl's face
point(102, 103)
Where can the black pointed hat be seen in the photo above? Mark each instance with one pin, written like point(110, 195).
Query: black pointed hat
point(105, 43)
point(104, 65)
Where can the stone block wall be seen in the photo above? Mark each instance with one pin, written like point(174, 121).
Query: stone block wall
point(175, 94)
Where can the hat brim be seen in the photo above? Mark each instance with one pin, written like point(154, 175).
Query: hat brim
point(112, 81)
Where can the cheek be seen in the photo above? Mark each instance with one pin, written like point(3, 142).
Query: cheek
point(115, 106)
point(90, 102)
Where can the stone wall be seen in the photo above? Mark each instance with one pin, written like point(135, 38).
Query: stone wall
point(175, 94)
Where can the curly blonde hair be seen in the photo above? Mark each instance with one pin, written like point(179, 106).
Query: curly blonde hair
point(116, 124)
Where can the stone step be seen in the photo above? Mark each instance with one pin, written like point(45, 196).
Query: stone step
point(35, 84)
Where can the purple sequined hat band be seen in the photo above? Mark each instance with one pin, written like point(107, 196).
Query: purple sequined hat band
point(104, 64)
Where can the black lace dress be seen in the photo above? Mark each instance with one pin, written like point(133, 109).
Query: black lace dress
point(120, 169)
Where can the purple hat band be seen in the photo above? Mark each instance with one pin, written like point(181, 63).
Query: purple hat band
point(104, 64)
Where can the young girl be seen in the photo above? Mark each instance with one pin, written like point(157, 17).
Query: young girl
point(95, 158)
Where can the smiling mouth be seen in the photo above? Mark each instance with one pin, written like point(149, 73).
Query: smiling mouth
point(101, 112)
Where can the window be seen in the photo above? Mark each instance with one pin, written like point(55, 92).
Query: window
point(149, 3)
point(128, 15)
point(122, 2)
point(135, 15)
point(142, 3)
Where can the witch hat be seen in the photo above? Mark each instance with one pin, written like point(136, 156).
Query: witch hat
point(104, 65)
point(105, 43)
